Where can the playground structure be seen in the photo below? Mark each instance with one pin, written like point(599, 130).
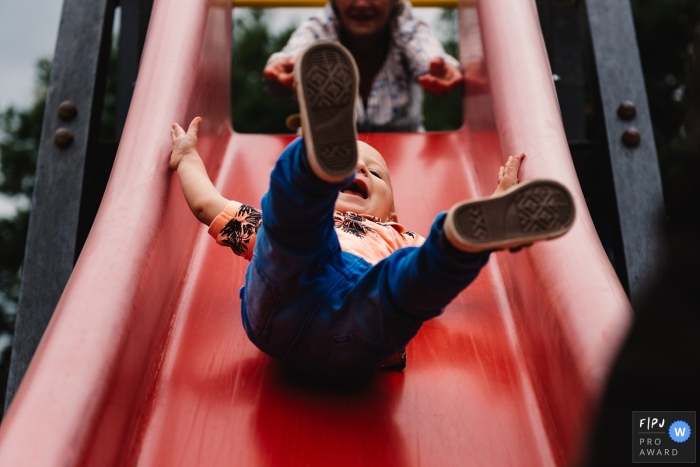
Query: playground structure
point(145, 359)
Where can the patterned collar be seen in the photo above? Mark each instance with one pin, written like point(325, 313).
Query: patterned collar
point(395, 225)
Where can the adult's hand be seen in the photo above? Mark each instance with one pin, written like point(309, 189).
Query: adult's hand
point(281, 71)
point(442, 78)
point(475, 78)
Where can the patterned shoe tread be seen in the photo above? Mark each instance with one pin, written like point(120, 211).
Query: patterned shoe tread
point(337, 155)
point(470, 222)
point(543, 208)
point(328, 78)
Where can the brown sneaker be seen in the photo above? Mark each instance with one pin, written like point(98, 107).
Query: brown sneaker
point(327, 83)
point(528, 212)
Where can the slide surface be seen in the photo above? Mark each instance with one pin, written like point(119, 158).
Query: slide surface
point(146, 362)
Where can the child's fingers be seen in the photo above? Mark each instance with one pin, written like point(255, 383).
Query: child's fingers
point(514, 161)
point(194, 126)
point(176, 130)
point(512, 167)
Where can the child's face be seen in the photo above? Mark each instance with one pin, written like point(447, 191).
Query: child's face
point(370, 193)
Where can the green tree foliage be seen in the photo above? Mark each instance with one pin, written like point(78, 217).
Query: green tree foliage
point(108, 118)
point(20, 132)
point(255, 111)
point(445, 113)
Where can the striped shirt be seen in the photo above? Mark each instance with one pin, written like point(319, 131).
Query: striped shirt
point(396, 99)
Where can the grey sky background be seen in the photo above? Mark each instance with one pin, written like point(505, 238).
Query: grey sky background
point(28, 31)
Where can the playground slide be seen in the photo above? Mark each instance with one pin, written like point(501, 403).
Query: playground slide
point(146, 362)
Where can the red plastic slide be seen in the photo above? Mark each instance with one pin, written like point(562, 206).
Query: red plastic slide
point(145, 361)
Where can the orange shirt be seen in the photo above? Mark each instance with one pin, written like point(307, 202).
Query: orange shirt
point(359, 234)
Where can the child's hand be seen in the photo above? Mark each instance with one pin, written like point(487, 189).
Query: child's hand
point(282, 71)
point(442, 78)
point(508, 174)
point(184, 144)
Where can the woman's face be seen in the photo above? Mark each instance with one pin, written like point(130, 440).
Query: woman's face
point(364, 18)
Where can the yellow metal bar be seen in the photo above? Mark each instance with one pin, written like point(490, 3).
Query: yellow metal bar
point(321, 3)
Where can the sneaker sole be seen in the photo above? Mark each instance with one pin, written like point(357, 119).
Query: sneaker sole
point(327, 82)
point(528, 212)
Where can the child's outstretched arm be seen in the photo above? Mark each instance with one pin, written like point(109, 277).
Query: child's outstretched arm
point(202, 197)
point(508, 173)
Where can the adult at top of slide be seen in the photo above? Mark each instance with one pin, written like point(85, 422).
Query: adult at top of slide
point(395, 52)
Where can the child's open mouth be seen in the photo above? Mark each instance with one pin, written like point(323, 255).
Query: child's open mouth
point(356, 188)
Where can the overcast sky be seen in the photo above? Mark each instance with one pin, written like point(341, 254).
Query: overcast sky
point(27, 32)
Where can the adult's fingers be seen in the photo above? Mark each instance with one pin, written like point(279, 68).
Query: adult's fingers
point(281, 70)
point(437, 66)
point(286, 79)
point(270, 72)
point(430, 84)
point(434, 85)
